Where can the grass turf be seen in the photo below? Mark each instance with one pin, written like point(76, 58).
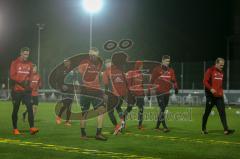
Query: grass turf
point(58, 141)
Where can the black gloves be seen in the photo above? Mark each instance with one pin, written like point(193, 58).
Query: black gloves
point(24, 84)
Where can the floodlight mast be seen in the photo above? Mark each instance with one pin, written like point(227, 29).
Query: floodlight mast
point(40, 27)
point(92, 7)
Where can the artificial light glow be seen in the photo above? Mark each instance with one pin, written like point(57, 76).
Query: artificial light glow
point(92, 6)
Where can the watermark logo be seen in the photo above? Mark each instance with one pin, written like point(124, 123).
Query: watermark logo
point(81, 78)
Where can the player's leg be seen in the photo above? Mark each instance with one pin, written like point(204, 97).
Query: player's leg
point(100, 109)
point(62, 109)
point(27, 101)
point(24, 114)
point(34, 102)
point(128, 110)
point(112, 117)
point(111, 106)
point(160, 100)
point(85, 105)
point(35, 105)
point(221, 110)
point(140, 104)
point(209, 105)
point(121, 115)
point(131, 100)
point(119, 108)
point(16, 100)
point(68, 111)
point(165, 101)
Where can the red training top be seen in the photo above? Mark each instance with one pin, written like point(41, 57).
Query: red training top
point(20, 71)
point(135, 80)
point(35, 84)
point(164, 79)
point(90, 73)
point(213, 79)
point(116, 79)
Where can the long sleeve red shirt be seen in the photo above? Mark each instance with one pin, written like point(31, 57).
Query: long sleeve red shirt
point(213, 79)
point(116, 80)
point(135, 82)
point(164, 79)
point(20, 71)
point(35, 84)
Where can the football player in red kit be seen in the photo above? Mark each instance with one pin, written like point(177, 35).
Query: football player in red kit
point(213, 81)
point(35, 84)
point(67, 99)
point(21, 71)
point(90, 71)
point(135, 86)
point(114, 80)
point(164, 78)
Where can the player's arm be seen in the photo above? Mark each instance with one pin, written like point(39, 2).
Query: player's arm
point(129, 78)
point(155, 74)
point(26, 83)
point(105, 79)
point(13, 72)
point(82, 67)
point(174, 80)
point(40, 84)
point(207, 78)
point(31, 72)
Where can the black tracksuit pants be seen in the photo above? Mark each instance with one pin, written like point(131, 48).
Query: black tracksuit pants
point(17, 98)
point(210, 102)
point(163, 100)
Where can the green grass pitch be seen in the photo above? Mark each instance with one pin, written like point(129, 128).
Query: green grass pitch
point(59, 142)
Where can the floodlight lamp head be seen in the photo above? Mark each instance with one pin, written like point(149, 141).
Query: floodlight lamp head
point(92, 6)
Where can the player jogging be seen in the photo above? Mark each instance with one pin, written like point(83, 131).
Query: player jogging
point(89, 70)
point(67, 98)
point(135, 86)
point(115, 81)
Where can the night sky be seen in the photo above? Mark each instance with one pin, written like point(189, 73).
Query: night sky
point(188, 30)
